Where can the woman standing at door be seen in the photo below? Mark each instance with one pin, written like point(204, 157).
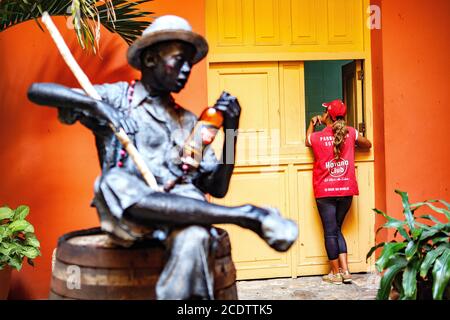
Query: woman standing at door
point(334, 181)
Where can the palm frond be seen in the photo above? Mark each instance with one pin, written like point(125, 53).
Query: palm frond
point(123, 17)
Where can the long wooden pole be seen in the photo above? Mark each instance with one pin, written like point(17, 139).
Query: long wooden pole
point(90, 91)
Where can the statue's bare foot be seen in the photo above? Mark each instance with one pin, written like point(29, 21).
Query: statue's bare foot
point(278, 232)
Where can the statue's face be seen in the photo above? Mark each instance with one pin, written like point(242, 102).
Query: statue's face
point(167, 66)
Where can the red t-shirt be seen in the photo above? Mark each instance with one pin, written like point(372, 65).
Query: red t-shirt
point(334, 178)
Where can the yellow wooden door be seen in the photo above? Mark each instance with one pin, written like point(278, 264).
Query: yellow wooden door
point(257, 54)
point(259, 180)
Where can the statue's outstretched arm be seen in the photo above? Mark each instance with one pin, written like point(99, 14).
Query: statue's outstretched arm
point(55, 95)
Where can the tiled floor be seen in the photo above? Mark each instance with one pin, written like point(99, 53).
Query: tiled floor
point(364, 287)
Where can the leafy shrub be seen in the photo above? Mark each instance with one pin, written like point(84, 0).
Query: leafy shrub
point(17, 238)
point(423, 255)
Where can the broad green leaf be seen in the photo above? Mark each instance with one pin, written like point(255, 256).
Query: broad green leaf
point(446, 212)
point(430, 217)
point(416, 233)
point(429, 233)
point(442, 238)
point(411, 249)
point(21, 212)
point(388, 251)
point(439, 210)
point(429, 260)
point(397, 283)
point(423, 226)
point(5, 249)
point(21, 225)
point(16, 262)
point(407, 209)
point(4, 232)
point(445, 203)
point(395, 266)
point(6, 213)
point(419, 204)
point(404, 233)
point(30, 252)
point(441, 275)
point(372, 250)
point(394, 223)
point(31, 240)
point(14, 247)
point(382, 213)
point(409, 280)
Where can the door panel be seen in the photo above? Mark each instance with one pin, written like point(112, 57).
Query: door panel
point(341, 22)
point(310, 250)
point(230, 26)
point(305, 27)
point(267, 22)
point(256, 86)
point(267, 187)
point(292, 102)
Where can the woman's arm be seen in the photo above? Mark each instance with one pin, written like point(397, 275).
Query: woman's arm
point(314, 121)
point(363, 142)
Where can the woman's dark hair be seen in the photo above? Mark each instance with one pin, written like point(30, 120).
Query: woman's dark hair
point(340, 132)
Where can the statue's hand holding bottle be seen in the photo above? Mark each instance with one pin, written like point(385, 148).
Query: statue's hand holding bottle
point(225, 113)
point(231, 110)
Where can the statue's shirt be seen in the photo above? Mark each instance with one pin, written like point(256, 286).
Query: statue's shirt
point(163, 127)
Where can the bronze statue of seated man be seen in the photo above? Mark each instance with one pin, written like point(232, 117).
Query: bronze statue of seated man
point(129, 209)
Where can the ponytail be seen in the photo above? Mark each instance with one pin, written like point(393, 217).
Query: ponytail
point(340, 132)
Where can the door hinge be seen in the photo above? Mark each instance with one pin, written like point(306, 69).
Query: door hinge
point(361, 75)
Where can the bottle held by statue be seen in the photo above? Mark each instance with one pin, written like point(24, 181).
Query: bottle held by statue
point(203, 134)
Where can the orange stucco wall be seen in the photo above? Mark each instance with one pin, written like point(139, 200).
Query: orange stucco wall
point(411, 95)
point(49, 166)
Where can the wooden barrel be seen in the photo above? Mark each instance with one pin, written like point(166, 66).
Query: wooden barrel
point(88, 266)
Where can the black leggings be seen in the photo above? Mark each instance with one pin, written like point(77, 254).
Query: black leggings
point(332, 212)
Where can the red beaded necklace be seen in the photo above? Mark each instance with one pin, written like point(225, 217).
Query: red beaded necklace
point(123, 152)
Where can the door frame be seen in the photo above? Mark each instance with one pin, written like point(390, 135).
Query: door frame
point(367, 101)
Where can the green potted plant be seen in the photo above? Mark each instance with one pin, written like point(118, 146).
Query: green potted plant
point(417, 266)
point(17, 242)
point(123, 17)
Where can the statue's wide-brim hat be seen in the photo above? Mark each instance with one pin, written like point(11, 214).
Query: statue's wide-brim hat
point(167, 28)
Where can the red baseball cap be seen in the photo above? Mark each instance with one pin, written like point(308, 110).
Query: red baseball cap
point(335, 108)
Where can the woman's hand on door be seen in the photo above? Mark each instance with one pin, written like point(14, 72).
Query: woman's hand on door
point(316, 120)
